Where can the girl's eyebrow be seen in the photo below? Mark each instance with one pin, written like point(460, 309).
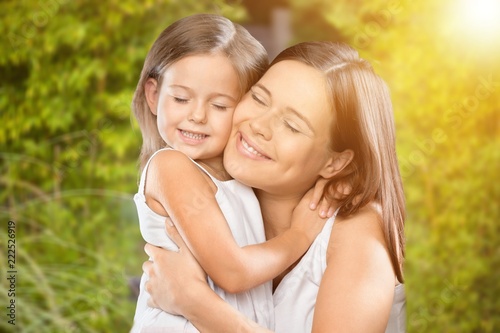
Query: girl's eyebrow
point(289, 109)
point(191, 90)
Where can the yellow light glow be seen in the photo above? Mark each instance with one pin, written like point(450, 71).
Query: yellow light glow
point(473, 25)
point(480, 16)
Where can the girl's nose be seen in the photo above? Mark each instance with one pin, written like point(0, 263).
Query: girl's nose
point(198, 115)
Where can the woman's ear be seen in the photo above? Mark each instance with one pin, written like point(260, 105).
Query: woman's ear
point(336, 163)
point(152, 94)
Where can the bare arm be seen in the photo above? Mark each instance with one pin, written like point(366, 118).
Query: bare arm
point(188, 197)
point(357, 288)
point(355, 294)
point(170, 272)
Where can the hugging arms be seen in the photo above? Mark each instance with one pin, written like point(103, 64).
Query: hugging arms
point(319, 112)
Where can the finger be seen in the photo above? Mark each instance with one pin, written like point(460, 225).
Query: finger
point(168, 221)
point(147, 287)
point(152, 304)
point(150, 250)
point(337, 191)
point(324, 206)
point(174, 235)
point(147, 267)
point(356, 199)
point(331, 211)
point(317, 194)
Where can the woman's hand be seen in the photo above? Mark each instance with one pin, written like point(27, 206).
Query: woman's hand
point(173, 276)
point(177, 285)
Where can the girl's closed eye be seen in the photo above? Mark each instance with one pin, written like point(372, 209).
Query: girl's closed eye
point(220, 107)
point(180, 100)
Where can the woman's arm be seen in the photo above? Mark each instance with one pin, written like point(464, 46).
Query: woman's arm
point(357, 288)
point(172, 272)
point(188, 197)
point(355, 294)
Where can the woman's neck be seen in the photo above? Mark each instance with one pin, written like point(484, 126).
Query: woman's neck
point(276, 212)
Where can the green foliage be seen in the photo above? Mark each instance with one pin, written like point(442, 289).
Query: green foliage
point(68, 151)
point(68, 155)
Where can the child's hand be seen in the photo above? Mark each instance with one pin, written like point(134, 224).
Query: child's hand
point(327, 207)
point(307, 220)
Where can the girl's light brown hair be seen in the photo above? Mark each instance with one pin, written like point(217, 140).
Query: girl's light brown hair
point(364, 124)
point(194, 35)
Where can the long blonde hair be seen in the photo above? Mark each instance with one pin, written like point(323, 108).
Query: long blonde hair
point(192, 35)
point(363, 123)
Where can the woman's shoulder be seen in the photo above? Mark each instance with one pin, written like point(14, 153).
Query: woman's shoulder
point(367, 221)
point(358, 236)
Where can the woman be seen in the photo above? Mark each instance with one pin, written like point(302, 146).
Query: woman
point(319, 112)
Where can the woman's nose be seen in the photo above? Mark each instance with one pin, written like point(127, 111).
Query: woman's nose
point(261, 125)
point(198, 114)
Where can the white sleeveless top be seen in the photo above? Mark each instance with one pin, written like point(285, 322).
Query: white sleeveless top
point(242, 212)
point(295, 296)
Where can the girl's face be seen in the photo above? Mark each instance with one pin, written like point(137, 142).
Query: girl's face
point(281, 131)
point(195, 104)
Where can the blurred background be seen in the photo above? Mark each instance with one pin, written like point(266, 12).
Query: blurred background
point(69, 146)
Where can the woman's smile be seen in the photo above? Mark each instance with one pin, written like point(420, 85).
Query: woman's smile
point(250, 149)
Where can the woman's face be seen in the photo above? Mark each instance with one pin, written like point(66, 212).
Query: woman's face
point(281, 131)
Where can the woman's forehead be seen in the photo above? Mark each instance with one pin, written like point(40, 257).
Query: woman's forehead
point(296, 76)
point(293, 84)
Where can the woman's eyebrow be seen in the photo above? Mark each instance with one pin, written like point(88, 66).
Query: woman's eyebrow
point(289, 109)
point(300, 116)
point(258, 85)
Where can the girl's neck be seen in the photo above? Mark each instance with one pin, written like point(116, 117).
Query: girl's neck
point(215, 167)
point(276, 212)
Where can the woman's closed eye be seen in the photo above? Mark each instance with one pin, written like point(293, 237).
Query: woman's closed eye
point(291, 126)
point(257, 99)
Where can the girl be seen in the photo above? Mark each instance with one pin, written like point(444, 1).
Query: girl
point(316, 99)
point(193, 77)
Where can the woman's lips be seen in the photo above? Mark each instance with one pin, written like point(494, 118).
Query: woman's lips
point(250, 149)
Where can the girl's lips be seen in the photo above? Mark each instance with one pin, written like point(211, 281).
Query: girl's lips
point(192, 137)
point(249, 149)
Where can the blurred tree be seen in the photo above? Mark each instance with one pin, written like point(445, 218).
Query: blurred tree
point(68, 154)
point(445, 86)
point(68, 149)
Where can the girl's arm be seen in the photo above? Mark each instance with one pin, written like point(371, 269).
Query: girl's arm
point(355, 294)
point(357, 288)
point(188, 196)
point(179, 272)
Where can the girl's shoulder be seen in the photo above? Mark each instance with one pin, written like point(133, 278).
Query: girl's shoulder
point(173, 166)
